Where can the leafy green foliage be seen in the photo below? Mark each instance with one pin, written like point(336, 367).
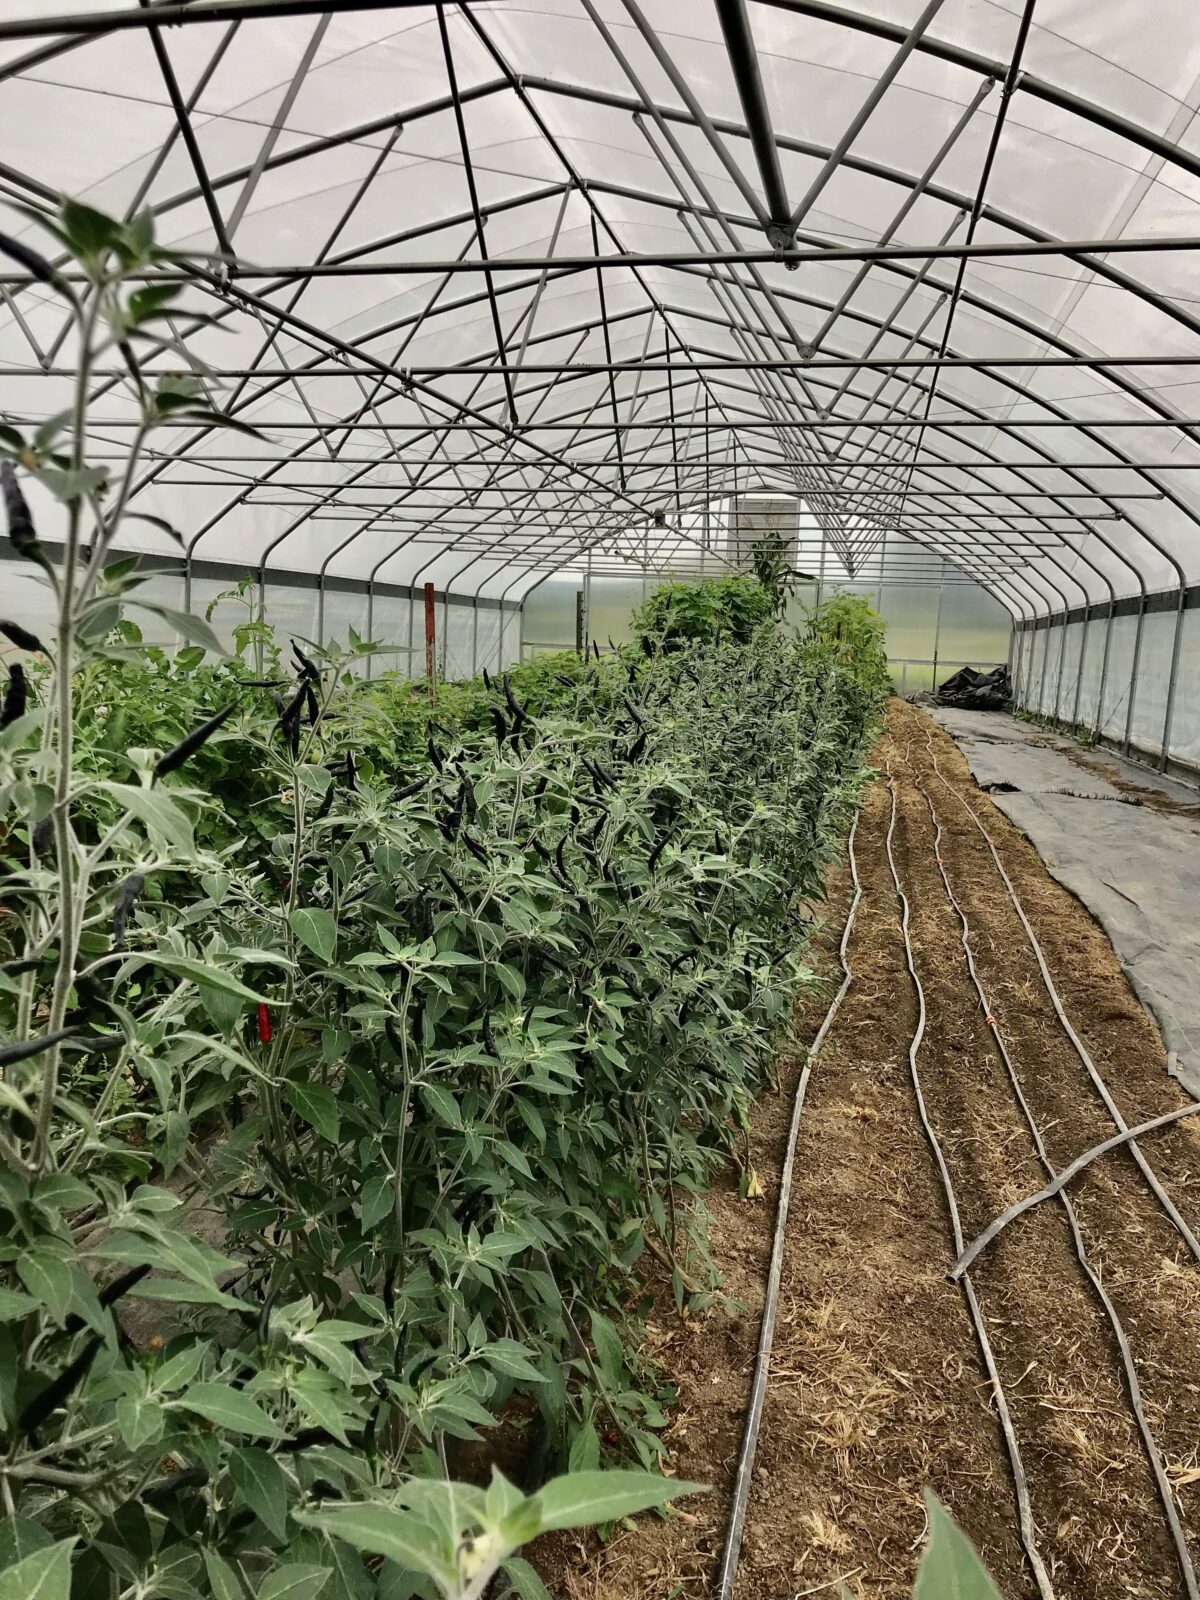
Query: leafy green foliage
point(730, 608)
point(848, 627)
point(950, 1569)
point(355, 1054)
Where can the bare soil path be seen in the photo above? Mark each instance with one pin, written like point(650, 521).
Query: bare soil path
point(878, 1385)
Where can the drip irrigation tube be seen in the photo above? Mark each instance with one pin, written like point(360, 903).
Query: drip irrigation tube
point(1024, 1509)
point(1160, 1194)
point(1057, 1187)
point(727, 1574)
point(1060, 1180)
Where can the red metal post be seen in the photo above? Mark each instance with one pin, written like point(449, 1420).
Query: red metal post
point(430, 643)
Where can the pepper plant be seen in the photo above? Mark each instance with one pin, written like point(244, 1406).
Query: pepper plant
point(358, 1057)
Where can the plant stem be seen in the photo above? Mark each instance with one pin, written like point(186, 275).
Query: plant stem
point(64, 833)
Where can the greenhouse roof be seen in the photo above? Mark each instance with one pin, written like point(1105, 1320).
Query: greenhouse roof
point(506, 286)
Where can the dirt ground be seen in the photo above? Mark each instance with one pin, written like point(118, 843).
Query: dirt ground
point(877, 1385)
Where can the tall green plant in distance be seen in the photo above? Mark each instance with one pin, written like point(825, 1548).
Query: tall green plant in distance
point(679, 613)
point(853, 633)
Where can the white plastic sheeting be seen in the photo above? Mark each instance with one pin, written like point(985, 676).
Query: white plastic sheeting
point(333, 138)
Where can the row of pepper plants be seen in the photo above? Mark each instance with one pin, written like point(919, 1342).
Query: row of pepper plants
point(358, 1055)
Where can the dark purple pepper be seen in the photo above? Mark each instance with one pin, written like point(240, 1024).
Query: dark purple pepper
point(435, 758)
point(126, 899)
point(41, 837)
point(35, 264)
point(450, 823)
point(60, 1389)
point(499, 724)
point(306, 668)
point(454, 883)
point(558, 854)
point(13, 969)
point(549, 956)
point(21, 637)
point(660, 846)
point(22, 1049)
point(188, 746)
point(167, 1488)
point(122, 1284)
point(489, 1039)
point(20, 524)
point(638, 745)
point(289, 718)
point(16, 696)
point(409, 789)
point(476, 850)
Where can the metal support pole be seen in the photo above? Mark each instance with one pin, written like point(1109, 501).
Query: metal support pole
point(1176, 646)
point(1062, 661)
point(1133, 676)
point(859, 121)
point(430, 642)
point(1080, 663)
point(743, 59)
point(937, 622)
point(684, 90)
point(918, 189)
point(469, 170)
point(612, 377)
point(1108, 628)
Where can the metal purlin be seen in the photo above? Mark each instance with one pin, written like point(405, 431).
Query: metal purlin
point(1011, 78)
point(656, 197)
point(517, 84)
point(680, 83)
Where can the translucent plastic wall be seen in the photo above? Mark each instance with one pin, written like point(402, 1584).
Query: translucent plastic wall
point(602, 606)
point(1128, 681)
point(551, 616)
point(939, 618)
point(469, 635)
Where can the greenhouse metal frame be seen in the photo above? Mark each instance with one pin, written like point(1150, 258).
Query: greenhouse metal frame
point(854, 256)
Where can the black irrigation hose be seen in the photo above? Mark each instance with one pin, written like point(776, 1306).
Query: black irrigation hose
point(1160, 1194)
point(727, 1574)
point(1024, 1510)
point(1059, 1183)
point(1153, 1453)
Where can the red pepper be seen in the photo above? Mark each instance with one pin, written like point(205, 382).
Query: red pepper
point(264, 1023)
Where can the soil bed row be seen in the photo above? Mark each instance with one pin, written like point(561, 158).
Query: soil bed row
point(877, 1385)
